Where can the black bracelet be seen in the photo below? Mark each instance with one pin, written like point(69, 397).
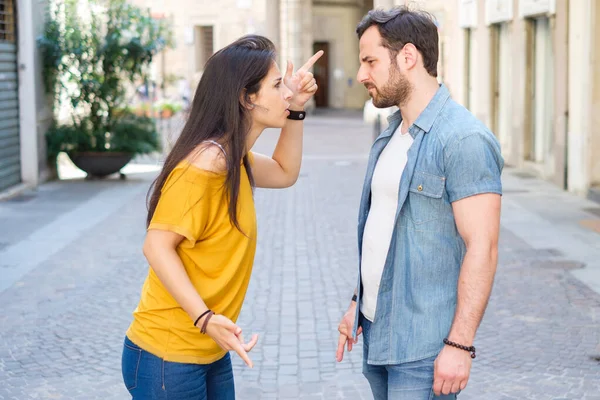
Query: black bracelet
point(200, 317)
point(297, 115)
point(354, 298)
point(205, 324)
point(470, 349)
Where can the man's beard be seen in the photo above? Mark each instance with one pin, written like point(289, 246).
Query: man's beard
point(395, 92)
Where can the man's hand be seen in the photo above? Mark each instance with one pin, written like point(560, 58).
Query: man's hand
point(345, 329)
point(451, 371)
point(302, 83)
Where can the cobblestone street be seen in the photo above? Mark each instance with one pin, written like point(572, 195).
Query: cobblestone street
point(71, 271)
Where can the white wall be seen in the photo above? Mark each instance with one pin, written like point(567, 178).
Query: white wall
point(35, 113)
point(595, 105)
point(580, 96)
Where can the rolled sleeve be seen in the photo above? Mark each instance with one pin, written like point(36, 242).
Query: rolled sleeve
point(473, 166)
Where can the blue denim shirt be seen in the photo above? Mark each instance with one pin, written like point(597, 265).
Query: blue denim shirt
point(453, 156)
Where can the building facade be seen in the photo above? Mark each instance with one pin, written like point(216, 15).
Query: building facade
point(530, 69)
point(25, 113)
point(297, 27)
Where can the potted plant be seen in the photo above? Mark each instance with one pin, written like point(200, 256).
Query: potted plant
point(167, 109)
point(93, 51)
point(142, 110)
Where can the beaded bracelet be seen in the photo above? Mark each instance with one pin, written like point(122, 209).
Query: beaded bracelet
point(470, 349)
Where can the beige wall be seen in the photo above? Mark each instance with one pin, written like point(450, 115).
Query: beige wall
point(229, 23)
point(272, 21)
point(296, 31)
point(452, 37)
point(232, 19)
point(337, 25)
point(521, 105)
point(386, 4)
point(456, 64)
point(575, 80)
point(334, 21)
point(481, 70)
point(518, 65)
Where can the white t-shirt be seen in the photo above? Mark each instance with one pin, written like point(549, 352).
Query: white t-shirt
point(380, 222)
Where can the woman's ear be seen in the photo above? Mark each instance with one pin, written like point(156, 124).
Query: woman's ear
point(247, 101)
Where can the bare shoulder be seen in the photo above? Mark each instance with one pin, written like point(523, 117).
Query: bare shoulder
point(209, 157)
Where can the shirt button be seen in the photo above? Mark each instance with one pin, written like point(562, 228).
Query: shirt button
point(420, 188)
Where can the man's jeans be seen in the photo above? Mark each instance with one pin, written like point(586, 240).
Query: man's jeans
point(148, 377)
point(407, 381)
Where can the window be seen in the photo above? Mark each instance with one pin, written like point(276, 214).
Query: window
point(7, 21)
point(470, 66)
point(540, 62)
point(203, 45)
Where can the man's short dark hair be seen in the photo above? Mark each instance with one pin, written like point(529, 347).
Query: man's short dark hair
point(400, 26)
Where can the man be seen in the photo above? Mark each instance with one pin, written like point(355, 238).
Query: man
point(428, 222)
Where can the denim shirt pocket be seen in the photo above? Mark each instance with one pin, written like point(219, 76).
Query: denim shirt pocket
point(425, 199)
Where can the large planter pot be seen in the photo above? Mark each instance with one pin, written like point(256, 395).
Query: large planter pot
point(100, 164)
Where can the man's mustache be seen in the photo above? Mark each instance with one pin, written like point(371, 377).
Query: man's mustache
point(370, 86)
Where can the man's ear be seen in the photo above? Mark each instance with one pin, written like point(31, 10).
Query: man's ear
point(408, 56)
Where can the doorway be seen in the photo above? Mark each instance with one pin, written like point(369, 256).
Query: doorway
point(321, 72)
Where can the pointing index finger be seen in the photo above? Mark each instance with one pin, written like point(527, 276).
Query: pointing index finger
point(311, 61)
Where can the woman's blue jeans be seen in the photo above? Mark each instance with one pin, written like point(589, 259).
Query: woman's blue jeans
point(148, 377)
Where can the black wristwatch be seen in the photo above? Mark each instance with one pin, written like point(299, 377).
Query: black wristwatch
point(354, 298)
point(297, 115)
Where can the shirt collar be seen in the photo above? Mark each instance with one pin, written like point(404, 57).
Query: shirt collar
point(427, 117)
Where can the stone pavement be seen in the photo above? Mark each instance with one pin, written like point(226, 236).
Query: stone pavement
point(71, 270)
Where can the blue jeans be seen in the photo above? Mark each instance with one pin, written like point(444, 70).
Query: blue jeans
point(148, 377)
point(407, 381)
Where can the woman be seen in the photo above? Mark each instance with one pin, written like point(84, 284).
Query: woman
point(202, 225)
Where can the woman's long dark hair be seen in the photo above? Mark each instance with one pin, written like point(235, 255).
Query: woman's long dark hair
point(220, 112)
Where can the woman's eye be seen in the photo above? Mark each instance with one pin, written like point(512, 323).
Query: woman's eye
point(278, 85)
